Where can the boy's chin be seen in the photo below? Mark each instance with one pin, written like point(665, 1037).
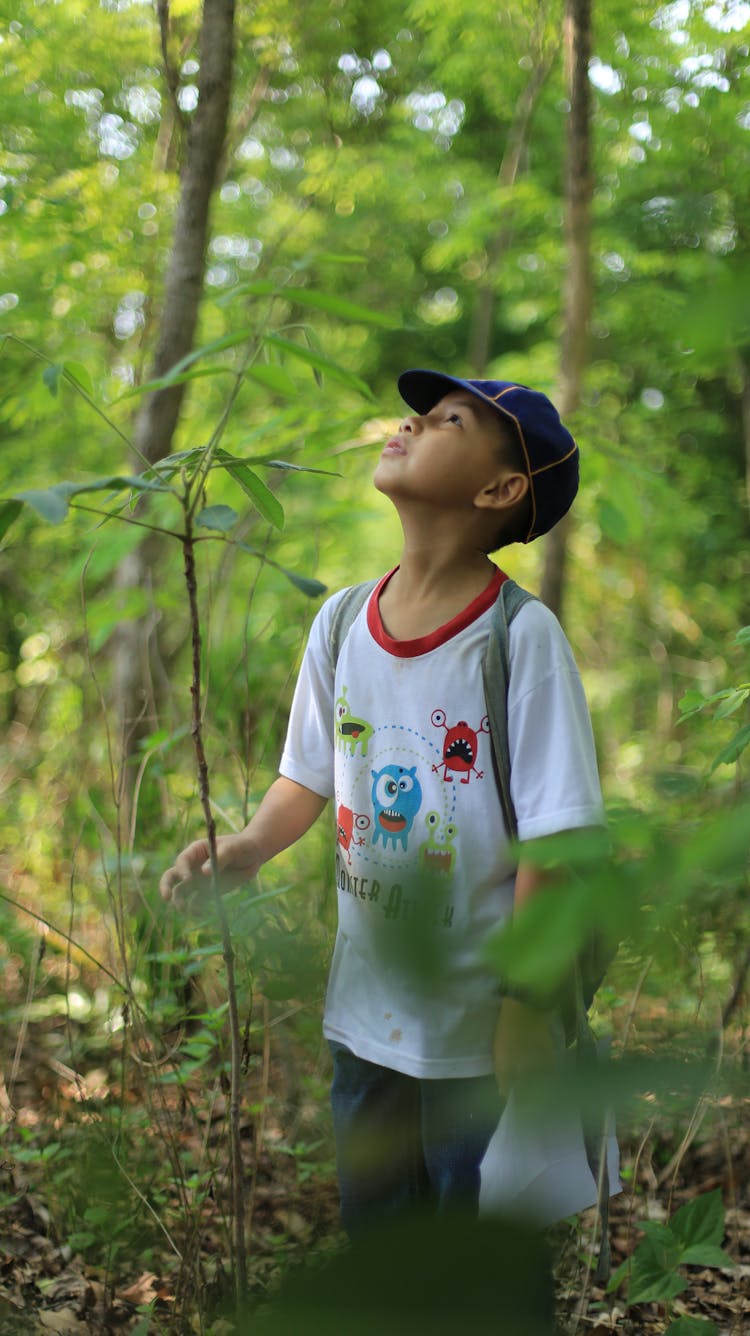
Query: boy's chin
point(381, 482)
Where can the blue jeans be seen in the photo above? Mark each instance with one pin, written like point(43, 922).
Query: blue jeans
point(403, 1142)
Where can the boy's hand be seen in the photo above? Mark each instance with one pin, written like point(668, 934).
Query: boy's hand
point(239, 861)
point(523, 1045)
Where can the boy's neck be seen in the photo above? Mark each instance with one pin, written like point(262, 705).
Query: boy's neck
point(434, 582)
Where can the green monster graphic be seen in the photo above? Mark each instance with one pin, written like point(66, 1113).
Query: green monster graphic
point(350, 732)
point(437, 854)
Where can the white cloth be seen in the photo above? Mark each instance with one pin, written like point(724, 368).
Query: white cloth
point(424, 872)
point(535, 1166)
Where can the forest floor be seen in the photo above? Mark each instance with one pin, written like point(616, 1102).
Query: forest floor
point(81, 1254)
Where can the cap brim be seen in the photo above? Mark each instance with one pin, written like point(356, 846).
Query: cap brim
point(421, 390)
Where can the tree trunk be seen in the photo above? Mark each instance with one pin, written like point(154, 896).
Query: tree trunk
point(480, 337)
point(577, 288)
point(158, 416)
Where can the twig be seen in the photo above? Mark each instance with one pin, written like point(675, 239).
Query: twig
point(32, 913)
point(171, 76)
point(36, 960)
point(238, 1194)
point(696, 1118)
point(635, 999)
point(260, 1120)
point(738, 989)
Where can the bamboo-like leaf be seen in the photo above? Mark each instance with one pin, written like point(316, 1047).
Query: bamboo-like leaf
point(49, 502)
point(333, 257)
point(306, 584)
point(734, 749)
point(261, 496)
point(221, 518)
point(9, 512)
point(215, 346)
point(732, 702)
point(118, 483)
point(297, 468)
point(163, 382)
point(321, 301)
point(320, 363)
point(77, 372)
point(273, 378)
point(51, 377)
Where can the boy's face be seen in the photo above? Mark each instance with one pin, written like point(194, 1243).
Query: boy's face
point(446, 456)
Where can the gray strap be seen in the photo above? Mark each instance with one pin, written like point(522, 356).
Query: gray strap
point(496, 680)
point(347, 609)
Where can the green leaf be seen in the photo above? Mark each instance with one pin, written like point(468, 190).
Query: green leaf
point(333, 257)
point(613, 523)
point(734, 749)
point(742, 637)
point(49, 502)
point(654, 1277)
point(692, 1326)
point(78, 373)
point(273, 378)
point(163, 382)
point(51, 377)
point(306, 584)
point(320, 301)
point(9, 512)
point(707, 1254)
point(320, 363)
point(733, 701)
point(299, 468)
point(261, 496)
point(117, 483)
point(700, 1220)
point(221, 518)
point(691, 702)
point(215, 346)
point(619, 1275)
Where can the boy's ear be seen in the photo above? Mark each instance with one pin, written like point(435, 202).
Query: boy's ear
point(504, 491)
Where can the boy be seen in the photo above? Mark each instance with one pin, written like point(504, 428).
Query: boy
point(397, 733)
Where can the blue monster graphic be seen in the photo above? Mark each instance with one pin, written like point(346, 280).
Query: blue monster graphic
point(396, 797)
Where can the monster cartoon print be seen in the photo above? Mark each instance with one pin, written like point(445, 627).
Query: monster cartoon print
point(396, 798)
point(438, 854)
point(460, 747)
point(347, 822)
point(350, 732)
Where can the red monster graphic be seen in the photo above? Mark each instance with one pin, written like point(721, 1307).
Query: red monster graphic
point(460, 748)
point(347, 822)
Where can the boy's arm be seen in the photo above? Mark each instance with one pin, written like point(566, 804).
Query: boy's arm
point(523, 1042)
point(287, 810)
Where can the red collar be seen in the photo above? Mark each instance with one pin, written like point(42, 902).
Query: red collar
point(410, 649)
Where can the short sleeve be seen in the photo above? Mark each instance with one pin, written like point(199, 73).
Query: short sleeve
point(308, 755)
point(554, 776)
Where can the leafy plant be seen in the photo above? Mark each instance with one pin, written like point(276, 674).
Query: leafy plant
point(723, 704)
point(692, 1238)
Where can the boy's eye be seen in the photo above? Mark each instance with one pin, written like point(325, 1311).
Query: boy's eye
point(455, 417)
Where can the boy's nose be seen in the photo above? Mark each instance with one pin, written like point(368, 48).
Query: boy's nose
point(407, 424)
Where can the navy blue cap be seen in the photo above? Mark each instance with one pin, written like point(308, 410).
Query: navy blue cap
point(548, 448)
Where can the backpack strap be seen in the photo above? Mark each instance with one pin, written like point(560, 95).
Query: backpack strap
point(347, 609)
point(496, 680)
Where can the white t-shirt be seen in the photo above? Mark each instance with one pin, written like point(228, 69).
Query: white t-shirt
point(424, 872)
